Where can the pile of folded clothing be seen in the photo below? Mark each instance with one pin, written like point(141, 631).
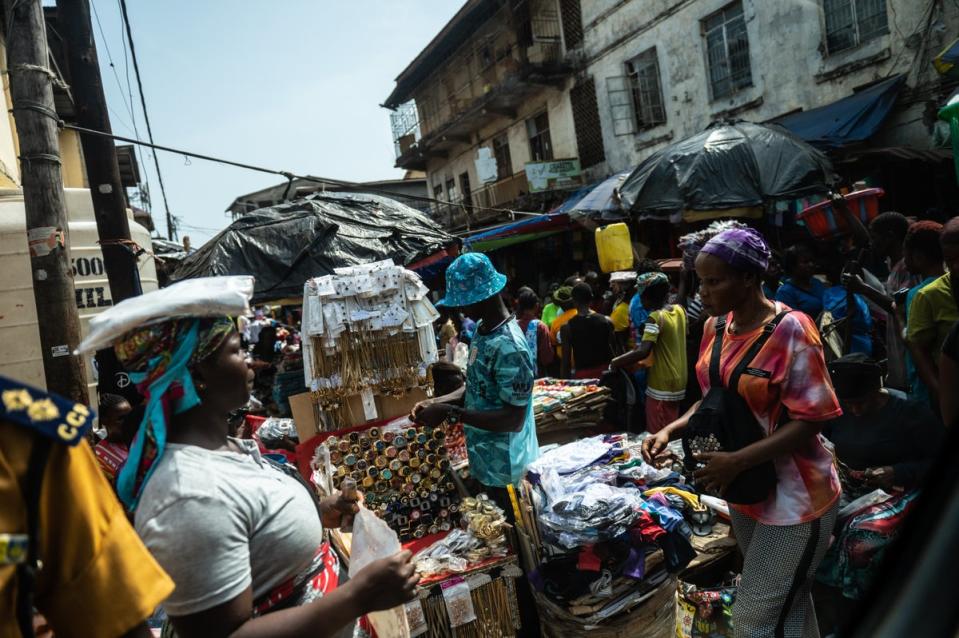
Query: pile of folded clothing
point(607, 528)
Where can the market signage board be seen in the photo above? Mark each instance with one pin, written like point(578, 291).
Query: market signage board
point(554, 175)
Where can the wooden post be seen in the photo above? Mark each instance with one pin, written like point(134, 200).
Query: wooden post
point(31, 87)
point(99, 153)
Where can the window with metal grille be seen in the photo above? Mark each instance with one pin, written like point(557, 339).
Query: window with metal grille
point(727, 51)
point(540, 145)
point(849, 23)
point(572, 17)
point(643, 73)
point(438, 195)
point(450, 190)
point(504, 163)
point(589, 131)
point(465, 189)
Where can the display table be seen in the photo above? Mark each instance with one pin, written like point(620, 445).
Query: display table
point(492, 585)
point(405, 472)
point(605, 537)
point(567, 409)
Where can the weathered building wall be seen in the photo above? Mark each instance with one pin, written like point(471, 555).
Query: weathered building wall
point(789, 64)
point(463, 158)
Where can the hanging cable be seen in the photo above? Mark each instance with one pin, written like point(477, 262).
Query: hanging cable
point(290, 176)
point(171, 226)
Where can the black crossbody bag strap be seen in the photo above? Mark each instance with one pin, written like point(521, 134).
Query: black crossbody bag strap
point(754, 349)
point(715, 380)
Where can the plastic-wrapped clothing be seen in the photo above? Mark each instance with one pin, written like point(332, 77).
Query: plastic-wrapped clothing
point(597, 513)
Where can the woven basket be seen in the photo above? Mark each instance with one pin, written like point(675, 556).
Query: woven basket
point(654, 617)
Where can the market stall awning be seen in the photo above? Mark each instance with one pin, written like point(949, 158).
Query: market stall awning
point(574, 198)
point(520, 231)
point(603, 201)
point(849, 120)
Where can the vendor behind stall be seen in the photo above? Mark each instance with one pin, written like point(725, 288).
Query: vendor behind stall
point(882, 441)
point(495, 406)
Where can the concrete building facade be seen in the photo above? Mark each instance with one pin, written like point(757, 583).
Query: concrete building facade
point(665, 69)
point(488, 96)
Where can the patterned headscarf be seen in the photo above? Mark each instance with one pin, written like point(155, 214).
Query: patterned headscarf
point(159, 358)
point(648, 279)
point(741, 248)
point(692, 243)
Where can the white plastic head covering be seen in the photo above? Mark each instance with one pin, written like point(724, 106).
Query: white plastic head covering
point(622, 277)
point(201, 297)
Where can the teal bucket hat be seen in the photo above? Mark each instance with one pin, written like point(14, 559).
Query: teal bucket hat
point(470, 279)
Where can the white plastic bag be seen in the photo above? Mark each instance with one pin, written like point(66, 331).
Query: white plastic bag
point(373, 540)
point(201, 297)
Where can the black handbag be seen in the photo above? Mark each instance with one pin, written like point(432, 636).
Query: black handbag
point(723, 422)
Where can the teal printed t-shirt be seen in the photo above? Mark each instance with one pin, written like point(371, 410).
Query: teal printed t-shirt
point(500, 373)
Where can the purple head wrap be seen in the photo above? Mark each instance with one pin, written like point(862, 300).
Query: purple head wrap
point(741, 248)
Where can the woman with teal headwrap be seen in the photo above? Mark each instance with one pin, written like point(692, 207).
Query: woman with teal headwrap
point(241, 538)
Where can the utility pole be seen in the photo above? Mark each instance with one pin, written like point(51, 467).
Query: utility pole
point(31, 87)
point(99, 153)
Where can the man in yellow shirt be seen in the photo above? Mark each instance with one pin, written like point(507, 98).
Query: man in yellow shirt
point(932, 312)
point(66, 546)
point(664, 336)
point(623, 285)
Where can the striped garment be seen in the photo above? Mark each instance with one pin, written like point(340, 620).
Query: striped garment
point(110, 458)
point(789, 373)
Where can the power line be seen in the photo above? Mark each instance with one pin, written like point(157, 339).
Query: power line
point(116, 76)
point(291, 176)
point(171, 227)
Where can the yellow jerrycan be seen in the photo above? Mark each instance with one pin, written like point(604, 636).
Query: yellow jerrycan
point(614, 248)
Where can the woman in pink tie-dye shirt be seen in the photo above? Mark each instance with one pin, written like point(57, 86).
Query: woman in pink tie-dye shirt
point(787, 387)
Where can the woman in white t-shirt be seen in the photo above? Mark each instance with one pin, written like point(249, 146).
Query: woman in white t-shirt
point(241, 538)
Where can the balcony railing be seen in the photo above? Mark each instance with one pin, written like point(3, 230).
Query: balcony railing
point(481, 200)
point(481, 66)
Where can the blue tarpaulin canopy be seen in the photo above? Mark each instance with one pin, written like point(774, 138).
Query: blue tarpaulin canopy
point(849, 120)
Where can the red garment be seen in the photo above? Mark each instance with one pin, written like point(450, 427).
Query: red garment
point(588, 561)
point(544, 347)
point(323, 575)
point(110, 458)
point(645, 530)
point(591, 373)
point(659, 414)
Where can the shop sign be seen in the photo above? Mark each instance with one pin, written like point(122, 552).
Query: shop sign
point(554, 175)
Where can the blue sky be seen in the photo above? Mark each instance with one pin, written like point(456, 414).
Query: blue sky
point(287, 84)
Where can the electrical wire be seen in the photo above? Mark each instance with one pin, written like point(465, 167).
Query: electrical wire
point(129, 106)
point(171, 226)
point(291, 176)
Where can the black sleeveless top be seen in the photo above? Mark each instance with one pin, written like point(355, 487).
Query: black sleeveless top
point(589, 338)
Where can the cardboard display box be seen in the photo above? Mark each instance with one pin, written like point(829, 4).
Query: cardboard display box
point(386, 407)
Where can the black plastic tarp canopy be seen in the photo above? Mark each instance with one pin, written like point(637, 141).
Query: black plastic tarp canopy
point(282, 246)
point(728, 165)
